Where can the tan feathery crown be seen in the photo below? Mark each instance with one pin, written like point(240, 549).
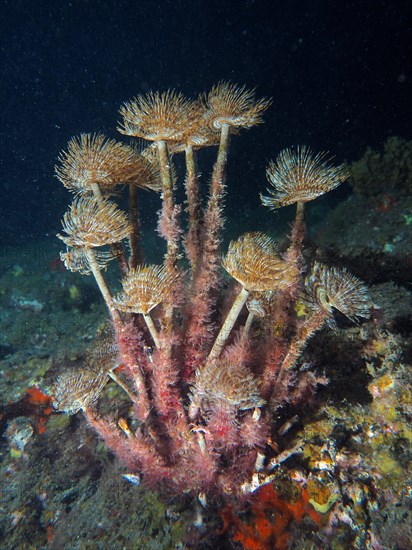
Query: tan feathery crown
point(234, 105)
point(147, 170)
point(300, 176)
point(329, 288)
point(94, 159)
point(254, 261)
point(144, 288)
point(90, 223)
point(80, 387)
point(226, 383)
point(198, 134)
point(157, 116)
point(75, 259)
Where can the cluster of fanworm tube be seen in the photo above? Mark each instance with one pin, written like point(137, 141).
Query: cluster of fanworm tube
point(205, 368)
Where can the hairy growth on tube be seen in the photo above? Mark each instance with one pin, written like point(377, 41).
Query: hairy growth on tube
point(204, 381)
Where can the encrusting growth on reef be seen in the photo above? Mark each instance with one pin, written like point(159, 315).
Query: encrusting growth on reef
point(204, 379)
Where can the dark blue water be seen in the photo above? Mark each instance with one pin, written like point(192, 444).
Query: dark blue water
point(339, 74)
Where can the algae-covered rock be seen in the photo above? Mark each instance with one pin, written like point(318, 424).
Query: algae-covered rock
point(383, 172)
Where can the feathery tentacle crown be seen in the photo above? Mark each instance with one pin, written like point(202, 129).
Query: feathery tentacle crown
point(144, 288)
point(80, 387)
point(198, 134)
point(222, 382)
point(75, 259)
point(157, 116)
point(147, 172)
point(300, 176)
point(236, 106)
point(94, 159)
point(253, 260)
point(329, 288)
point(90, 223)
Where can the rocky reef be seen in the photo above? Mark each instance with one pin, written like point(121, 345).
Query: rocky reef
point(266, 377)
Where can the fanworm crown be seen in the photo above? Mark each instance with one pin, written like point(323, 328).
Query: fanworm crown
point(90, 223)
point(81, 386)
point(157, 116)
point(75, 259)
point(254, 261)
point(300, 176)
point(144, 288)
point(329, 288)
point(226, 383)
point(77, 389)
point(235, 106)
point(93, 159)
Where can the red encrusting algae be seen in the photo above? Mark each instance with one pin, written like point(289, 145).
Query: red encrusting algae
point(268, 519)
point(34, 403)
point(40, 405)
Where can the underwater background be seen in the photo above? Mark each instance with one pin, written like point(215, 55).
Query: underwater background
point(339, 75)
